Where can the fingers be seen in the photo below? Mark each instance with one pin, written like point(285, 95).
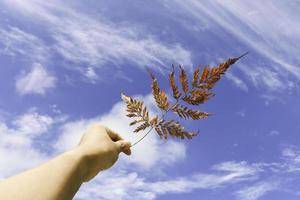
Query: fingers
point(113, 135)
point(123, 146)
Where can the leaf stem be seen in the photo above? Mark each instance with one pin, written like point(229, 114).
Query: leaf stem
point(162, 117)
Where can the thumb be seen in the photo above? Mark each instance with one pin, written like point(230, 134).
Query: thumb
point(123, 146)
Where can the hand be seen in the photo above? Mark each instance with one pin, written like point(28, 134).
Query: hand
point(100, 148)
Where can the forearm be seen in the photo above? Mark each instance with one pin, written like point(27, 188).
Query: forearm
point(58, 179)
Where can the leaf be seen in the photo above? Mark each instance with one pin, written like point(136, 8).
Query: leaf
point(135, 122)
point(215, 75)
point(200, 92)
point(185, 112)
point(174, 129)
point(196, 77)
point(204, 74)
point(153, 121)
point(159, 96)
point(159, 132)
point(125, 98)
point(183, 80)
point(136, 108)
point(198, 96)
point(131, 115)
point(142, 127)
point(176, 93)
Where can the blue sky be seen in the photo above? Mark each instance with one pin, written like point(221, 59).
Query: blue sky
point(64, 64)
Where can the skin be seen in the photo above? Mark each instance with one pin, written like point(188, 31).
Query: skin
point(61, 177)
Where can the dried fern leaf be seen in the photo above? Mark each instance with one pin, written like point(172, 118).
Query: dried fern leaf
point(204, 74)
point(142, 127)
point(154, 121)
point(199, 93)
point(209, 79)
point(131, 115)
point(183, 80)
point(159, 132)
point(175, 90)
point(159, 96)
point(186, 113)
point(198, 96)
point(136, 121)
point(136, 108)
point(196, 77)
point(174, 129)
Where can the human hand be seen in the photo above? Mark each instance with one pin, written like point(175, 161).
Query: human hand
point(99, 148)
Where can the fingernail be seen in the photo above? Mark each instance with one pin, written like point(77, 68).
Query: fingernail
point(122, 145)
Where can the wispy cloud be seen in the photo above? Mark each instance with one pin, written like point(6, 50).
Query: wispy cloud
point(124, 186)
point(130, 177)
point(84, 41)
point(252, 24)
point(237, 81)
point(16, 42)
point(16, 145)
point(257, 190)
point(158, 153)
point(36, 81)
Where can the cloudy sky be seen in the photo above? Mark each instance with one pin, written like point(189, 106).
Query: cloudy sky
point(64, 64)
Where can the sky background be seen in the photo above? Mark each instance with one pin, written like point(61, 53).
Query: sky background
point(64, 64)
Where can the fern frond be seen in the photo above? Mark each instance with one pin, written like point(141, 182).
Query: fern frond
point(174, 129)
point(183, 80)
point(197, 97)
point(204, 74)
point(210, 77)
point(185, 112)
point(175, 90)
point(136, 108)
point(199, 93)
point(142, 127)
point(196, 77)
point(159, 132)
point(160, 96)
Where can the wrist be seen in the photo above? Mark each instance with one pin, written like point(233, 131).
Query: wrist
point(79, 160)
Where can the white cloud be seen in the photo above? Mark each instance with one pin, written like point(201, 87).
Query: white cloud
point(144, 174)
point(241, 113)
point(17, 152)
point(274, 133)
point(291, 155)
point(33, 124)
point(257, 190)
point(237, 82)
point(17, 42)
point(267, 78)
point(152, 155)
point(91, 74)
point(86, 41)
point(251, 24)
point(159, 153)
point(37, 81)
point(114, 185)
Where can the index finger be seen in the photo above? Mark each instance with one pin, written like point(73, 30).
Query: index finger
point(113, 135)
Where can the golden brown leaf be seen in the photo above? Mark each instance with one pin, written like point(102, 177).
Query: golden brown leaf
point(185, 112)
point(176, 93)
point(199, 93)
point(204, 74)
point(209, 80)
point(174, 129)
point(136, 108)
point(159, 132)
point(196, 77)
point(183, 80)
point(142, 127)
point(159, 96)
